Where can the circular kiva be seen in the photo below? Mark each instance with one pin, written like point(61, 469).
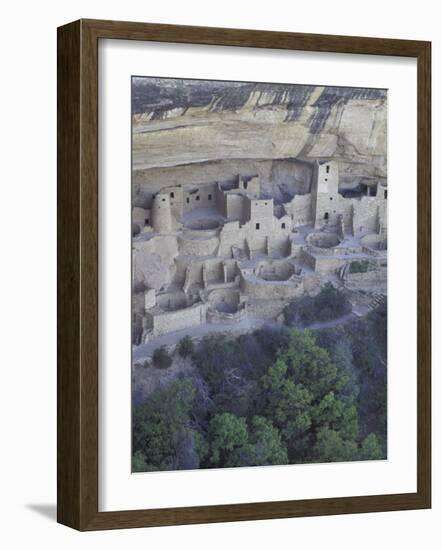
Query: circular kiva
point(323, 240)
point(202, 224)
point(224, 300)
point(275, 271)
point(171, 301)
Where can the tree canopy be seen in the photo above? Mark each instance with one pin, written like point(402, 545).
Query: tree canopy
point(270, 397)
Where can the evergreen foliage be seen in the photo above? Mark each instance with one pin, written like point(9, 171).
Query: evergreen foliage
point(329, 304)
point(161, 358)
point(270, 397)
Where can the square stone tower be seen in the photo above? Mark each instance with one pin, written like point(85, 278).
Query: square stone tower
point(261, 215)
point(325, 196)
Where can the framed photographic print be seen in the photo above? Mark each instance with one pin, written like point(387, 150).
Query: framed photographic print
point(243, 275)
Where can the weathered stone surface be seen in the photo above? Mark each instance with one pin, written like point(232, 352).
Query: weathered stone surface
point(200, 122)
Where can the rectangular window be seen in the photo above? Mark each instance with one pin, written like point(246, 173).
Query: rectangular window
point(172, 194)
point(385, 194)
point(257, 226)
point(187, 200)
point(197, 197)
point(209, 196)
point(327, 169)
point(146, 221)
point(283, 225)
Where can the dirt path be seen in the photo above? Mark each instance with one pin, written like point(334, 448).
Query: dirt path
point(144, 351)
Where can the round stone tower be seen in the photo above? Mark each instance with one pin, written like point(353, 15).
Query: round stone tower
point(161, 213)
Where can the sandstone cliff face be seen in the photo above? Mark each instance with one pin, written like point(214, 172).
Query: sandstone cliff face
point(207, 126)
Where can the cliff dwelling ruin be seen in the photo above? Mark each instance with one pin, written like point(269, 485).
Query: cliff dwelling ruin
point(219, 252)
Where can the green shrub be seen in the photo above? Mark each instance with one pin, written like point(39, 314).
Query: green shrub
point(159, 424)
point(186, 347)
point(359, 267)
point(329, 304)
point(161, 358)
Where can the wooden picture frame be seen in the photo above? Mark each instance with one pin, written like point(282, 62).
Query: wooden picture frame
point(78, 274)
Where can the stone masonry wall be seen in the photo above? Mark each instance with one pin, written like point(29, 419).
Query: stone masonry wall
point(198, 247)
point(300, 209)
point(170, 321)
point(204, 196)
point(270, 290)
point(235, 207)
point(231, 235)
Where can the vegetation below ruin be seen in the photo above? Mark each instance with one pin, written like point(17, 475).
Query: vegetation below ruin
point(274, 396)
point(161, 358)
point(359, 267)
point(329, 304)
